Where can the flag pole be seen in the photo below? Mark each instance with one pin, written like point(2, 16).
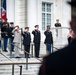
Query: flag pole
point(1, 7)
point(2, 2)
point(3, 10)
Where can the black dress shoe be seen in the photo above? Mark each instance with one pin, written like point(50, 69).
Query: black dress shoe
point(13, 51)
point(5, 50)
point(17, 57)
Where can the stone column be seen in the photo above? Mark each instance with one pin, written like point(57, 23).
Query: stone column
point(20, 13)
point(31, 13)
point(10, 10)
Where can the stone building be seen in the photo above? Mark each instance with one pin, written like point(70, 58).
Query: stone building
point(41, 12)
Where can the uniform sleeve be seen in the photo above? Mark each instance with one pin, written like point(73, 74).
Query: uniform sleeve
point(13, 30)
point(23, 34)
point(51, 38)
point(30, 37)
point(45, 33)
point(40, 36)
point(33, 32)
point(55, 25)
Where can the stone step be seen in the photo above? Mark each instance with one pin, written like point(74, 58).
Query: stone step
point(17, 71)
point(17, 67)
point(32, 68)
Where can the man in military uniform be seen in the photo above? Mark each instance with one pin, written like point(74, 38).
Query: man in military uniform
point(37, 39)
point(11, 35)
point(48, 40)
point(63, 61)
point(26, 41)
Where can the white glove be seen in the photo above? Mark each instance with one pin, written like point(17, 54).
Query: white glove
point(15, 28)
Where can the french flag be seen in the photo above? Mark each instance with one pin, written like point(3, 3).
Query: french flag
point(3, 11)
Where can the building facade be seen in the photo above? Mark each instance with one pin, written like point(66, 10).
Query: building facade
point(42, 12)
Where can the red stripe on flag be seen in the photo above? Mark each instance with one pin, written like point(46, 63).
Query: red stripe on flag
point(3, 14)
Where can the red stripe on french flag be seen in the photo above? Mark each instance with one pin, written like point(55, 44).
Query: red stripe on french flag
point(3, 12)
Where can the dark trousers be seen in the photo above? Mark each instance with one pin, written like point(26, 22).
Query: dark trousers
point(0, 43)
point(11, 41)
point(69, 40)
point(27, 49)
point(5, 41)
point(37, 49)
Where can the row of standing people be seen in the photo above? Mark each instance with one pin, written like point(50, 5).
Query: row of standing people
point(5, 30)
point(36, 40)
point(14, 34)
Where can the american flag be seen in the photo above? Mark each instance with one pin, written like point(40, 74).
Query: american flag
point(3, 12)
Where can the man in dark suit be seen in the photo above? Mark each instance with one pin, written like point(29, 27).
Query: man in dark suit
point(26, 41)
point(5, 34)
point(48, 40)
point(37, 39)
point(63, 61)
point(11, 35)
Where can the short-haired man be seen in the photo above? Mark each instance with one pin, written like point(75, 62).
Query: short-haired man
point(37, 39)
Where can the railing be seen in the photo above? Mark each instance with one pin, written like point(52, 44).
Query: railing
point(18, 63)
point(60, 35)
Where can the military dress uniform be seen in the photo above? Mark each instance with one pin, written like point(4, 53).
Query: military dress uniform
point(37, 39)
point(11, 36)
point(48, 40)
point(26, 42)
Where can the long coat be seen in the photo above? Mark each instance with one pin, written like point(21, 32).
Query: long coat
point(61, 62)
point(17, 36)
point(11, 35)
point(5, 31)
point(49, 37)
point(26, 38)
